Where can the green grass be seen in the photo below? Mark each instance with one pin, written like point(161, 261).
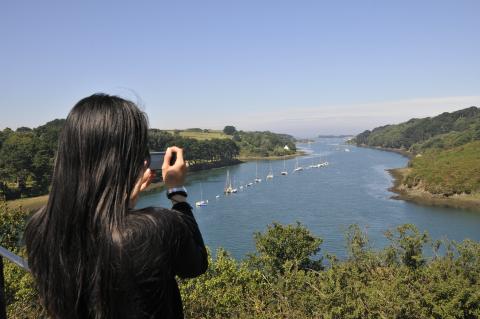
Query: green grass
point(448, 172)
point(29, 204)
point(202, 135)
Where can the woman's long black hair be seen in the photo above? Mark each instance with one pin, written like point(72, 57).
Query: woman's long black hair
point(75, 243)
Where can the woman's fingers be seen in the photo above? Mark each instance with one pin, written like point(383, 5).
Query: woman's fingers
point(167, 158)
point(174, 175)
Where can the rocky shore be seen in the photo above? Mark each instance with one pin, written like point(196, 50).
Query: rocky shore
point(420, 196)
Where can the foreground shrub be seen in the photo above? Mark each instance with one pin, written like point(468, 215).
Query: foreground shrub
point(285, 277)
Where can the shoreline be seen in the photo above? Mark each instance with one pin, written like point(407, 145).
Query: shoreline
point(417, 196)
point(272, 158)
point(32, 204)
point(420, 197)
point(404, 153)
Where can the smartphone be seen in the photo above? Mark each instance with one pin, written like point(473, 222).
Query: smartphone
point(156, 160)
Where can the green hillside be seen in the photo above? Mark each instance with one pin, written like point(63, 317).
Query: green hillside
point(447, 172)
point(443, 131)
point(447, 149)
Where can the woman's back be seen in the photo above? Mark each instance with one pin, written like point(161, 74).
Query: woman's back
point(90, 254)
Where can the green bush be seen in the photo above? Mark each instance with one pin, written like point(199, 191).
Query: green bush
point(284, 278)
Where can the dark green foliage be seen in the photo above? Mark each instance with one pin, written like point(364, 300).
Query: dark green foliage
point(448, 172)
point(407, 246)
point(196, 151)
point(413, 134)
point(26, 159)
point(281, 244)
point(265, 144)
point(397, 282)
point(229, 130)
point(261, 144)
point(20, 292)
point(27, 155)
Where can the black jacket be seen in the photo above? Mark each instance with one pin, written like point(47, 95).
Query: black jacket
point(164, 243)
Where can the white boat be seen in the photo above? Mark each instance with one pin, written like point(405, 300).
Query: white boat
point(201, 202)
point(297, 167)
point(257, 180)
point(249, 184)
point(284, 172)
point(217, 197)
point(270, 174)
point(322, 164)
point(347, 150)
point(234, 189)
point(228, 184)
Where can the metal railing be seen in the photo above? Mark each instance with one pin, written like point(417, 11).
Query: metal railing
point(17, 260)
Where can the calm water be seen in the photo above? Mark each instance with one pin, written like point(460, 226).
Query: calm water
point(352, 189)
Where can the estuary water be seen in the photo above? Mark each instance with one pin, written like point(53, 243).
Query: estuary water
point(352, 189)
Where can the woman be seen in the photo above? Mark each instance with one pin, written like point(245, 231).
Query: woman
point(91, 254)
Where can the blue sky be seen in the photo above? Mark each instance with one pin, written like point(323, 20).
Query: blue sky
point(300, 67)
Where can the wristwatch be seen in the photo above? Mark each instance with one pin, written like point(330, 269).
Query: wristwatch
point(177, 191)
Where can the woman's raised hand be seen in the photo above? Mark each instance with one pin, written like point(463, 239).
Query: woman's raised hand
point(142, 183)
point(174, 175)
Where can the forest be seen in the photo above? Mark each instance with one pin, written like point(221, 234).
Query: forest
point(290, 276)
point(27, 155)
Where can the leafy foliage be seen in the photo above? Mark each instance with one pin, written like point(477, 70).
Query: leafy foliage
point(196, 151)
point(449, 172)
point(27, 155)
point(396, 282)
point(447, 129)
point(281, 244)
point(20, 292)
point(26, 159)
point(265, 144)
point(229, 130)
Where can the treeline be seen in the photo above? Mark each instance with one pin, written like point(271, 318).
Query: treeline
point(27, 155)
point(264, 144)
point(26, 159)
point(288, 277)
point(447, 149)
point(196, 151)
point(443, 131)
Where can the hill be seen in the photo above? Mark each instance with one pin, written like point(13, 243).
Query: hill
point(445, 152)
point(443, 131)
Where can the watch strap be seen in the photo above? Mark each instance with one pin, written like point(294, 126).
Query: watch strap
point(177, 191)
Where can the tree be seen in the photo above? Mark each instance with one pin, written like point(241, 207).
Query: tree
point(292, 244)
point(229, 130)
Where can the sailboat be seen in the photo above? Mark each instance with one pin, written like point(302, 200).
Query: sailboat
point(297, 168)
point(322, 164)
point(201, 202)
point(228, 184)
point(270, 174)
point(284, 172)
point(257, 180)
point(234, 189)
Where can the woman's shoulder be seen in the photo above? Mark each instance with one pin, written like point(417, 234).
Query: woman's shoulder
point(153, 221)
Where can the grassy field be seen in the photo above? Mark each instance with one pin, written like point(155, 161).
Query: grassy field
point(453, 171)
point(29, 204)
point(201, 135)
